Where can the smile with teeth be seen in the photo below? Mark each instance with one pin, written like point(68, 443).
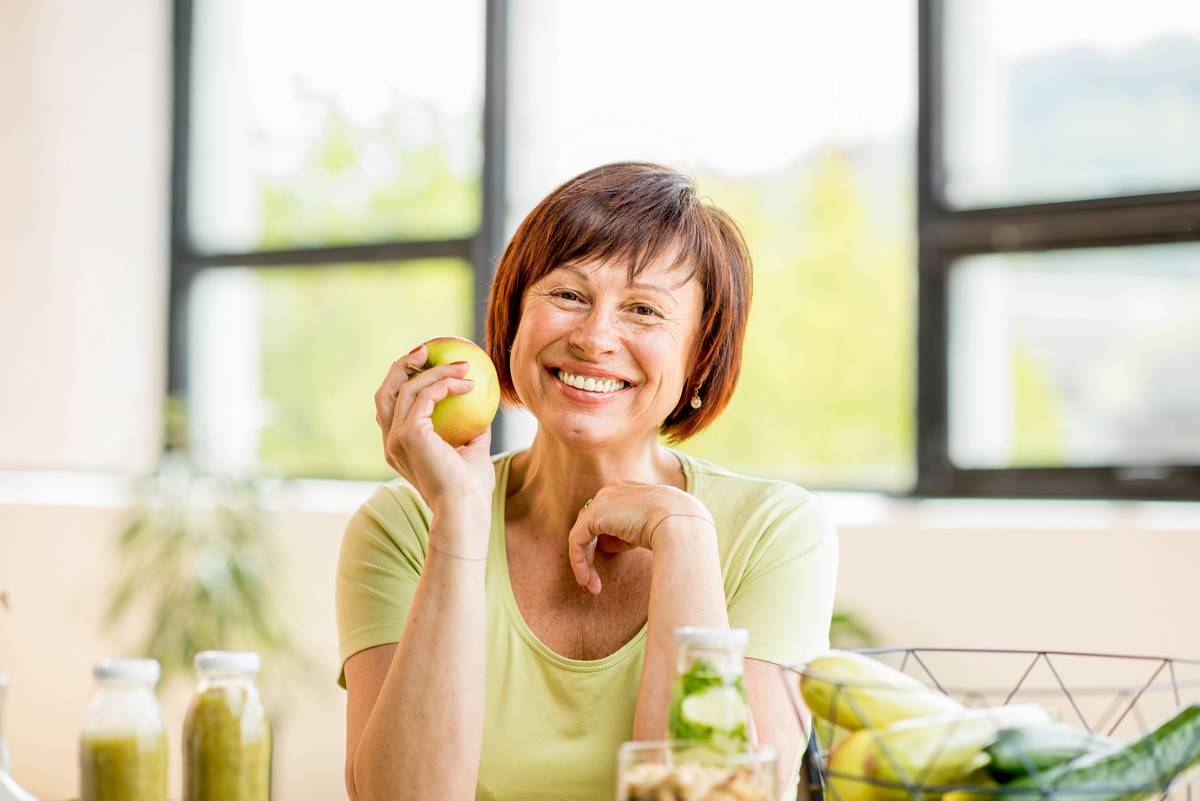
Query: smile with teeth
point(589, 383)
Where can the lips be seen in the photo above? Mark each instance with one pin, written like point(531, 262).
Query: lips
point(590, 383)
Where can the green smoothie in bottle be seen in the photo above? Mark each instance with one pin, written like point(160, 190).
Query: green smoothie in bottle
point(123, 746)
point(227, 733)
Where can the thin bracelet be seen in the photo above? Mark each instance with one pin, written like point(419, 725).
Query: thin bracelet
point(456, 556)
point(678, 514)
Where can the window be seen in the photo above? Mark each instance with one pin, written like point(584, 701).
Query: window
point(799, 119)
point(1027, 327)
point(1059, 221)
point(345, 184)
point(331, 210)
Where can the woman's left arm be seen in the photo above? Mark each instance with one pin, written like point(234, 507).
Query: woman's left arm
point(686, 587)
point(791, 601)
point(685, 590)
point(773, 691)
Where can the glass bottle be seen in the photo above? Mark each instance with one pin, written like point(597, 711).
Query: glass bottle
point(123, 745)
point(227, 733)
point(708, 701)
point(9, 789)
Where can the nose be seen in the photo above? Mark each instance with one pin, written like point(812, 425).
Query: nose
point(596, 333)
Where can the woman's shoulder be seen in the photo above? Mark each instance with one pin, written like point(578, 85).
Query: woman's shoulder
point(394, 496)
point(745, 503)
point(393, 516)
point(705, 477)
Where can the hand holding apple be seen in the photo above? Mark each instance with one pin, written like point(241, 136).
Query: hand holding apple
point(458, 419)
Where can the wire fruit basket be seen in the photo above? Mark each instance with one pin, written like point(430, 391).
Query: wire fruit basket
point(1115, 699)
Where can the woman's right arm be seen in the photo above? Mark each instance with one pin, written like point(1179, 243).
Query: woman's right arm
point(414, 717)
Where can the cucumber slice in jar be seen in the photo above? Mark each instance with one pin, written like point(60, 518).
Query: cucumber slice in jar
point(720, 708)
point(711, 710)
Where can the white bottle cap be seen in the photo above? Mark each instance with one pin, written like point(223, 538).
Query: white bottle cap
point(147, 671)
point(230, 661)
point(712, 638)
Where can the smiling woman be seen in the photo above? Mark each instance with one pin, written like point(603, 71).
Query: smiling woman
point(589, 325)
point(507, 621)
point(639, 216)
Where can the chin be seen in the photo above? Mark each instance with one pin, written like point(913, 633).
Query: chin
point(586, 432)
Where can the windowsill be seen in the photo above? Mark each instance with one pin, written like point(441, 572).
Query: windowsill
point(98, 490)
point(850, 510)
point(66, 488)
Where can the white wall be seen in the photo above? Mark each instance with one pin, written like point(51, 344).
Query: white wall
point(83, 233)
point(1108, 578)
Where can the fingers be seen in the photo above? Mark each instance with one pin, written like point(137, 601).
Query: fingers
point(406, 382)
point(592, 534)
point(482, 443)
point(607, 544)
point(397, 376)
point(624, 515)
point(581, 552)
point(426, 385)
point(404, 404)
point(581, 549)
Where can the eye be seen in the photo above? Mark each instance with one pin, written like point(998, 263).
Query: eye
point(567, 297)
point(643, 310)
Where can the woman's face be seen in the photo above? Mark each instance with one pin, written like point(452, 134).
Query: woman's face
point(598, 357)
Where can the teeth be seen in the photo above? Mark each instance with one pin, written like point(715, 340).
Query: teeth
point(590, 383)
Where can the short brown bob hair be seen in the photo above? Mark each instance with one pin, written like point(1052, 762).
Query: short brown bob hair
point(636, 213)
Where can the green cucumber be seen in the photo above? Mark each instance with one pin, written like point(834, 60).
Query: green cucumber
point(710, 706)
point(1029, 750)
point(1139, 769)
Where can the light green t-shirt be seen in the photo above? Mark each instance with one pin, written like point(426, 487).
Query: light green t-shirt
point(552, 725)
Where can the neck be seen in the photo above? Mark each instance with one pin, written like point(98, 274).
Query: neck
point(553, 481)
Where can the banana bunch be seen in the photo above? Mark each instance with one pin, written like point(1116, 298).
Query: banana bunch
point(904, 739)
point(852, 691)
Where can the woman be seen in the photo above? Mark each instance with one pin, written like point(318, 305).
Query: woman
point(506, 622)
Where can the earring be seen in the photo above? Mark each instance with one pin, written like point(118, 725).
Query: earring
point(695, 401)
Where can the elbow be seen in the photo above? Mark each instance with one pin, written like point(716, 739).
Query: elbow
point(351, 786)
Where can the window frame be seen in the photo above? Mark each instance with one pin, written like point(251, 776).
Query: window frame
point(946, 234)
point(480, 250)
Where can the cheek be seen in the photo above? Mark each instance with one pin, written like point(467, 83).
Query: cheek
point(522, 358)
point(687, 346)
point(538, 327)
point(521, 346)
point(517, 361)
point(671, 360)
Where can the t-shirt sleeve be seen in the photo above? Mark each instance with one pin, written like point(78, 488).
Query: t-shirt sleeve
point(383, 550)
point(782, 577)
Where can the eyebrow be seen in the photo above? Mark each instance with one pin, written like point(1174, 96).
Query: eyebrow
point(636, 285)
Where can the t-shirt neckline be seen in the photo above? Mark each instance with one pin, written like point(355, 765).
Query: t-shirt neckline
point(499, 574)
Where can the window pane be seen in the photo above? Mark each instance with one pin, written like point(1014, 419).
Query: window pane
point(1051, 100)
point(797, 118)
point(317, 123)
point(287, 360)
point(1076, 358)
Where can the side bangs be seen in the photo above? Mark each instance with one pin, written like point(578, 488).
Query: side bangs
point(631, 234)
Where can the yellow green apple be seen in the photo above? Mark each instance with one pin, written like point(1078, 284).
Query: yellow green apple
point(458, 419)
